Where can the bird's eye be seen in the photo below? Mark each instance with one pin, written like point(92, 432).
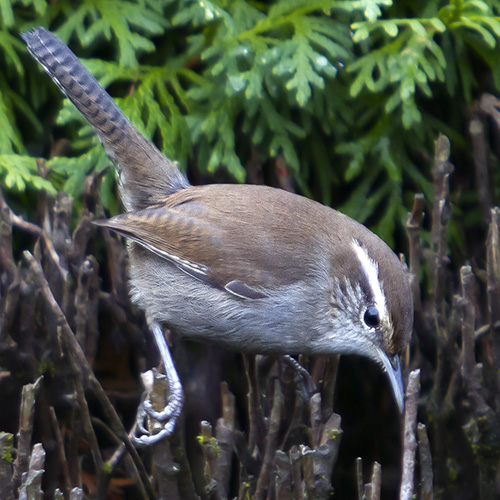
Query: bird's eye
point(372, 318)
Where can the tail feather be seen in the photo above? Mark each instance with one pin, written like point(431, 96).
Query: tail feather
point(145, 176)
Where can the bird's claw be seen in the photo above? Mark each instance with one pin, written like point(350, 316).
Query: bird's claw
point(152, 426)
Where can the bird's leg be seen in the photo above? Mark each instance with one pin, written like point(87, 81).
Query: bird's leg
point(169, 415)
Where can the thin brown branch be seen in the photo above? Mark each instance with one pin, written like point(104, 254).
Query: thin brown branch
point(270, 443)
point(425, 462)
point(316, 419)
point(80, 363)
point(469, 368)
point(493, 270)
point(296, 420)
point(328, 385)
point(61, 452)
point(372, 489)
point(81, 236)
point(256, 425)
point(440, 218)
point(224, 432)
point(308, 470)
point(87, 306)
point(409, 436)
point(164, 468)
point(480, 156)
point(359, 478)
point(490, 105)
point(31, 487)
point(376, 482)
point(117, 264)
point(296, 466)
point(76, 494)
point(414, 226)
point(326, 455)
point(25, 432)
point(283, 482)
point(102, 478)
point(210, 450)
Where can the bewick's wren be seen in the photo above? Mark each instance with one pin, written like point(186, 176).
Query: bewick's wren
point(249, 267)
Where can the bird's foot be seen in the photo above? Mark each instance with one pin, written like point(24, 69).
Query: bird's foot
point(152, 425)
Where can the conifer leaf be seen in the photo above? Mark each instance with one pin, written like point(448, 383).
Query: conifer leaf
point(337, 89)
point(391, 28)
point(6, 13)
point(10, 139)
point(371, 8)
point(113, 19)
point(19, 172)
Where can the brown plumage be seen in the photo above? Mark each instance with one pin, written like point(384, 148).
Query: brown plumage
point(249, 267)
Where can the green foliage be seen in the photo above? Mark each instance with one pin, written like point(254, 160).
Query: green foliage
point(350, 94)
point(8, 449)
point(19, 172)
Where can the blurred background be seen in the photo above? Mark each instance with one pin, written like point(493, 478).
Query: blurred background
point(340, 101)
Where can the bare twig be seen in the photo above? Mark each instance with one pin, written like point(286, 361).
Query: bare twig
point(471, 372)
point(480, 156)
point(10, 278)
point(256, 425)
point(80, 363)
point(359, 478)
point(283, 483)
point(118, 263)
point(102, 477)
point(493, 269)
point(328, 385)
point(425, 462)
point(76, 494)
point(440, 217)
point(414, 226)
point(248, 461)
point(25, 432)
point(409, 438)
point(469, 369)
point(270, 443)
point(182, 467)
point(164, 468)
point(224, 433)
point(60, 450)
point(376, 482)
point(87, 305)
point(6, 257)
point(24, 225)
point(243, 490)
point(296, 466)
point(371, 490)
point(80, 237)
point(308, 470)
point(490, 105)
point(297, 416)
point(31, 487)
point(326, 455)
point(210, 452)
point(316, 419)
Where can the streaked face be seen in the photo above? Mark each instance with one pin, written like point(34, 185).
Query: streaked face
point(361, 312)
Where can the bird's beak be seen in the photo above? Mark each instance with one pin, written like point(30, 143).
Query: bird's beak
point(392, 367)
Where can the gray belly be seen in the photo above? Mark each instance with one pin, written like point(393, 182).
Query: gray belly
point(202, 312)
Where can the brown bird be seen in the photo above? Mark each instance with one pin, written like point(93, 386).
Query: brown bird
point(252, 268)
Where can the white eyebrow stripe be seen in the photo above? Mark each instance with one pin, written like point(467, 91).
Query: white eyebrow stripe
point(370, 268)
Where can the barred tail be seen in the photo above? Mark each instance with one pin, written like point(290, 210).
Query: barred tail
point(145, 175)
